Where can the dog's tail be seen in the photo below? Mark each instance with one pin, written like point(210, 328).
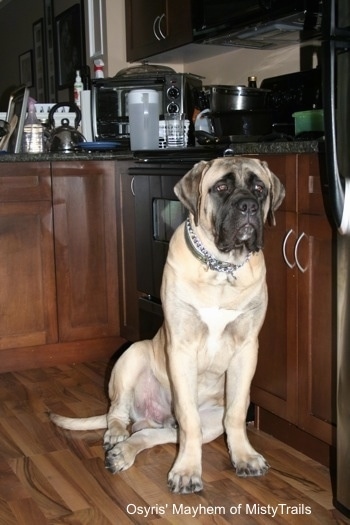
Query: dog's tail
point(79, 423)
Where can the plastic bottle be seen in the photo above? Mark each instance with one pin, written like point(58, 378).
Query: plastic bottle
point(33, 131)
point(78, 88)
point(98, 68)
point(144, 119)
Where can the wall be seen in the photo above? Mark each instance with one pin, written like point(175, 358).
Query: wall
point(227, 67)
point(16, 37)
point(235, 67)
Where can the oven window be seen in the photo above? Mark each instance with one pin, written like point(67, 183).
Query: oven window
point(167, 216)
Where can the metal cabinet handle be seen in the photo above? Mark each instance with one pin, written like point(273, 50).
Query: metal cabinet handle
point(289, 264)
point(155, 21)
point(132, 186)
point(303, 270)
point(159, 28)
point(157, 31)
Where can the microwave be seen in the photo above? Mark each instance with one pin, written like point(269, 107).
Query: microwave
point(178, 93)
point(260, 24)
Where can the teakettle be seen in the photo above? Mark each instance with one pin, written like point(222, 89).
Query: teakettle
point(65, 138)
point(203, 122)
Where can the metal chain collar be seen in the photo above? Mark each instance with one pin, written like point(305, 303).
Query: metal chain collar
point(203, 255)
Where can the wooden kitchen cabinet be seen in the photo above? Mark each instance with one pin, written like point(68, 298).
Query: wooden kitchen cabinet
point(294, 382)
point(59, 297)
point(275, 385)
point(155, 27)
point(128, 294)
point(28, 314)
point(86, 249)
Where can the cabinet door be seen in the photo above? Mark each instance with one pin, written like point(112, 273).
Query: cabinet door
point(316, 360)
point(274, 385)
point(86, 249)
point(28, 314)
point(275, 382)
point(128, 295)
point(157, 26)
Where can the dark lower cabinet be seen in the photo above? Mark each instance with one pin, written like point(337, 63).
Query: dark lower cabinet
point(294, 382)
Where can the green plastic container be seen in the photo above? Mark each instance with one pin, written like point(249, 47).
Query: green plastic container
point(306, 121)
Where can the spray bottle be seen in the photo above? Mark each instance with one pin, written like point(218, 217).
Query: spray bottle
point(98, 68)
point(78, 88)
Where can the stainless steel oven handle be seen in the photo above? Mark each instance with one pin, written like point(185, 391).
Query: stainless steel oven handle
point(289, 264)
point(155, 21)
point(303, 270)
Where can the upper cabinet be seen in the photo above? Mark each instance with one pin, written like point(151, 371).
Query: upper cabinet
point(155, 27)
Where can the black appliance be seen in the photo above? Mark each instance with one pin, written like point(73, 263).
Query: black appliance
point(299, 91)
point(261, 24)
point(178, 93)
point(158, 213)
point(336, 84)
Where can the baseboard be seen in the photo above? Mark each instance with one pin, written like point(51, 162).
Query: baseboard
point(14, 359)
point(295, 437)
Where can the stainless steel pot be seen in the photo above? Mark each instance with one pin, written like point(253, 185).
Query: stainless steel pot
point(249, 123)
point(65, 138)
point(232, 98)
point(237, 126)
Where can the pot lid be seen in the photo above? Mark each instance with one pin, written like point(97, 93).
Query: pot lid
point(143, 69)
point(235, 90)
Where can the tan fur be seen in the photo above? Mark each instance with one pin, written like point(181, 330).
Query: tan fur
point(191, 382)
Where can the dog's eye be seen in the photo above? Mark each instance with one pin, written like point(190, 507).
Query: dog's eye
point(221, 187)
point(258, 188)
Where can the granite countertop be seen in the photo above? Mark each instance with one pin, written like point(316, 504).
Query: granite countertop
point(242, 148)
point(76, 155)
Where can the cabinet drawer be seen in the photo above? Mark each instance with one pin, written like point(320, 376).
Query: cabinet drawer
point(27, 181)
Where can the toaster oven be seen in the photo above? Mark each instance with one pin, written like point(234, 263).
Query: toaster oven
point(178, 93)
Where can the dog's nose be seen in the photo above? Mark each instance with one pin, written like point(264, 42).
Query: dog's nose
point(247, 206)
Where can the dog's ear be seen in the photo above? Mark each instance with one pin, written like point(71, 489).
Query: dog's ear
point(188, 190)
point(277, 193)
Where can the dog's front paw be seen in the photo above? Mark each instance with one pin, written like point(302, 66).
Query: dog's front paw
point(254, 465)
point(184, 482)
point(119, 457)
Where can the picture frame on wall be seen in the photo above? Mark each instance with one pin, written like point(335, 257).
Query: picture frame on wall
point(49, 48)
point(39, 60)
point(26, 68)
point(70, 39)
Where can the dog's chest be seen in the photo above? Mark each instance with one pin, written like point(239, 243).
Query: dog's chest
point(216, 320)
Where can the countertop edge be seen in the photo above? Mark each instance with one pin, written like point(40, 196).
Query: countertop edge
point(243, 148)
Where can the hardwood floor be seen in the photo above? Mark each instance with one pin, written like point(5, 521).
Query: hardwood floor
point(51, 476)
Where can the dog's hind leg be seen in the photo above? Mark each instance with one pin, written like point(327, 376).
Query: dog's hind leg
point(123, 454)
point(123, 381)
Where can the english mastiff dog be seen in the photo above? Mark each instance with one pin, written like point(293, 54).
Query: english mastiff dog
point(191, 382)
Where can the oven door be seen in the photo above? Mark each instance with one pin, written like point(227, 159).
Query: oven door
point(158, 213)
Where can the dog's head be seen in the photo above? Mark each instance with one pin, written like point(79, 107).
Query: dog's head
point(231, 198)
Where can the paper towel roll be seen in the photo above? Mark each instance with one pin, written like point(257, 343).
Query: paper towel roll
point(86, 122)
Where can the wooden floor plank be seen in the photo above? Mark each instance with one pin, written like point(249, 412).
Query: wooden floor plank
point(26, 511)
point(49, 476)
